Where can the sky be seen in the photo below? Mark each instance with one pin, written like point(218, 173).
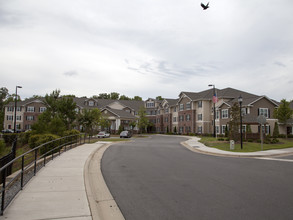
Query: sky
point(146, 48)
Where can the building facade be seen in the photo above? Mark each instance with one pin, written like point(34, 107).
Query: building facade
point(190, 113)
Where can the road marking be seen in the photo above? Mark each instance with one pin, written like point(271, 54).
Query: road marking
point(276, 159)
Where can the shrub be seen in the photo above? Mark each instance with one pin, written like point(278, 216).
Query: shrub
point(274, 141)
point(24, 137)
point(249, 140)
point(221, 139)
point(290, 135)
point(282, 136)
point(38, 139)
point(69, 133)
point(9, 138)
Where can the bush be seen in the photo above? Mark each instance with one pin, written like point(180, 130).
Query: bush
point(249, 140)
point(274, 141)
point(221, 139)
point(282, 136)
point(24, 137)
point(290, 135)
point(9, 138)
point(38, 139)
point(69, 133)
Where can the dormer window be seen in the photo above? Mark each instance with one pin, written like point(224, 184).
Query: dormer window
point(91, 103)
point(150, 104)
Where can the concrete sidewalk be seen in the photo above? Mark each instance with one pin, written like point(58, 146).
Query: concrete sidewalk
point(57, 191)
point(193, 144)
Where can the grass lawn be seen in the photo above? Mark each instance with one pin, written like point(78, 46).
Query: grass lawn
point(247, 146)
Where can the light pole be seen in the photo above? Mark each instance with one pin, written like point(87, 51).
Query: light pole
point(15, 105)
point(240, 103)
point(214, 101)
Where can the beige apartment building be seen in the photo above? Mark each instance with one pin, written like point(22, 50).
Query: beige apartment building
point(190, 113)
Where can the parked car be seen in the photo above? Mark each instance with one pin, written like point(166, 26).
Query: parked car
point(103, 134)
point(125, 134)
point(7, 131)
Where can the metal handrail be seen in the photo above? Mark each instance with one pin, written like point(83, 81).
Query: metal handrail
point(37, 163)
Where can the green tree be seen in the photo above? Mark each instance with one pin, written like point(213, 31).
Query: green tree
point(159, 98)
point(3, 101)
point(114, 95)
point(132, 124)
point(124, 97)
point(105, 123)
point(143, 121)
point(89, 119)
point(234, 122)
point(104, 96)
point(66, 111)
point(276, 130)
point(137, 98)
point(283, 113)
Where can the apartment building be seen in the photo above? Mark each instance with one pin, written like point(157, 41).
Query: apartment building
point(191, 112)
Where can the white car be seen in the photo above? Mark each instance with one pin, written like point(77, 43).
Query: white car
point(103, 134)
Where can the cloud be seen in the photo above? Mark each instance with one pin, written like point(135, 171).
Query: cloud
point(71, 73)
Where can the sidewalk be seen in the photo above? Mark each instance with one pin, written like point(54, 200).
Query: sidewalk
point(194, 145)
point(58, 191)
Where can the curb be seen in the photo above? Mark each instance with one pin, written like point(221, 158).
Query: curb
point(101, 202)
point(224, 154)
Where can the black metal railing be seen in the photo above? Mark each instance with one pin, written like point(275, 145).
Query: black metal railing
point(25, 166)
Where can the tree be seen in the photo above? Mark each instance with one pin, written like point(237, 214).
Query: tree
point(137, 98)
point(132, 124)
point(66, 111)
point(159, 98)
point(283, 113)
point(276, 130)
point(234, 122)
point(89, 119)
point(143, 121)
point(104, 96)
point(105, 123)
point(3, 101)
point(114, 95)
point(124, 97)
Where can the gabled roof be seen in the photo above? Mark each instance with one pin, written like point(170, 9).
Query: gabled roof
point(120, 113)
point(26, 102)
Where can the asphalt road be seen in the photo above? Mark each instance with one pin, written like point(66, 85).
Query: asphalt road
point(157, 178)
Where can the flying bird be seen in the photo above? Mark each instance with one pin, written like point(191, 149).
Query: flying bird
point(205, 6)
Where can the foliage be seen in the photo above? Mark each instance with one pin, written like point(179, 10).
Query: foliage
point(159, 98)
point(124, 97)
point(283, 113)
point(3, 100)
point(89, 119)
point(39, 139)
point(234, 122)
point(249, 129)
point(175, 130)
point(114, 95)
point(276, 130)
point(137, 98)
point(143, 121)
point(105, 123)
point(9, 138)
point(120, 129)
point(132, 124)
point(24, 137)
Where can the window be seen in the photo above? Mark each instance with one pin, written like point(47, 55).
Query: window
point(175, 109)
point(199, 129)
point(18, 118)
point(188, 106)
point(9, 118)
point(264, 112)
point(199, 104)
point(199, 117)
point(42, 109)
point(181, 107)
point(187, 117)
point(30, 118)
point(225, 113)
point(30, 109)
point(150, 104)
point(18, 108)
point(166, 110)
point(174, 119)
point(223, 129)
point(218, 129)
point(91, 103)
point(166, 119)
point(180, 129)
point(243, 111)
point(77, 110)
point(28, 127)
point(10, 109)
point(181, 117)
point(217, 114)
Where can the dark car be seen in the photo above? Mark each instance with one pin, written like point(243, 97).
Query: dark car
point(125, 134)
point(7, 131)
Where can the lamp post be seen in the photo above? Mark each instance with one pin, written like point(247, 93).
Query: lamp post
point(240, 103)
point(15, 105)
point(214, 101)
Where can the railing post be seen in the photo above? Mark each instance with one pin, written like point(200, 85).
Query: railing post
point(35, 167)
point(71, 142)
point(22, 169)
point(3, 190)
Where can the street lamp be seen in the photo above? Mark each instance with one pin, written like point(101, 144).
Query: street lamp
point(15, 105)
point(214, 101)
point(240, 103)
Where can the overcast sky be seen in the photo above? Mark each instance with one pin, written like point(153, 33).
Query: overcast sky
point(146, 47)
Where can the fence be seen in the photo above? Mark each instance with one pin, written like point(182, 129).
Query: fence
point(28, 164)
